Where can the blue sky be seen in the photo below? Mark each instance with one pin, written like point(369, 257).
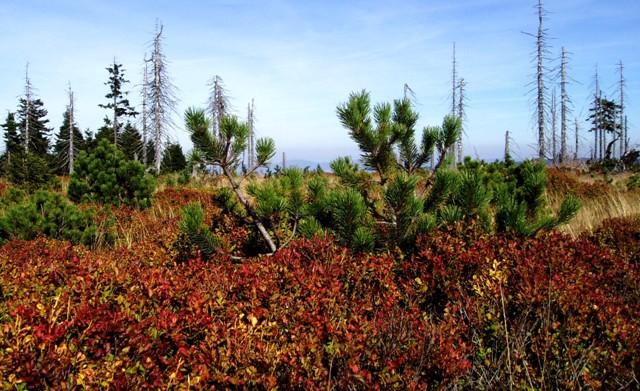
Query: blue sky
point(299, 60)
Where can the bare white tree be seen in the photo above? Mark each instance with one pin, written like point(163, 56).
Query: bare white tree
point(540, 89)
point(624, 143)
point(161, 97)
point(251, 155)
point(461, 114)
point(575, 152)
point(28, 97)
point(507, 146)
point(565, 109)
point(554, 127)
point(71, 130)
point(145, 112)
point(219, 103)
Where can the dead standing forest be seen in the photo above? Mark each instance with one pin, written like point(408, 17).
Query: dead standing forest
point(126, 264)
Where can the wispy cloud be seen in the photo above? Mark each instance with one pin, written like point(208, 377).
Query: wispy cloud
point(298, 60)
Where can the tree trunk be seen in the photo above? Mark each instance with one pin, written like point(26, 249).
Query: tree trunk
point(247, 206)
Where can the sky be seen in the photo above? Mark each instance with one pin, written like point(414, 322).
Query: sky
point(298, 60)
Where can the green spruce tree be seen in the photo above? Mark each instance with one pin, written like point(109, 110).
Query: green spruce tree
point(12, 138)
point(34, 112)
point(173, 159)
point(131, 142)
point(117, 99)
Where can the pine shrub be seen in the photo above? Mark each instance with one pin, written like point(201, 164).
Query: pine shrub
point(106, 177)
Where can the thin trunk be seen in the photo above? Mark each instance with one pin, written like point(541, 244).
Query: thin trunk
point(626, 135)
point(540, 79)
point(71, 135)
point(252, 141)
point(454, 83)
point(145, 83)
point(256, 220)
point(598, 130)
point(158, 107)
point(553, 127)
point(507, 147)
point(623, 138)
point(461, 115)
point(575, 153)
point(563, 109)
point(116, 76)
point(27, 93)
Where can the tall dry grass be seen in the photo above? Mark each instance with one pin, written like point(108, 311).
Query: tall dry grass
point(603, 198)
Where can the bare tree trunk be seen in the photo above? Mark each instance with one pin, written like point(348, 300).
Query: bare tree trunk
point(71, 132)
point(454, 84)
point(145, 84)
point(575, 153)
point(540, 79)
point(261, 228)
point(115, 105)
point(27, 96)
point(626, 135)
point(623, 138)
point(507, 147)
point(252, 142)
point(158, 109)
point(563, 108)
point(162, 97)
point(461, 115)
point(553, 127)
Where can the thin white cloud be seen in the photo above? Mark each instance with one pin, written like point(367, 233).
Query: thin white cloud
point(299, 60)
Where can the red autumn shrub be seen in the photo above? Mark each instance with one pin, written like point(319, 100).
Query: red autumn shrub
point(532, 307)
point(620, 236)
point(465, 310)
point(312, 316)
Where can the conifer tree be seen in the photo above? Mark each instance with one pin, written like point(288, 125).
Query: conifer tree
point(32, 124)
point(117, 98)
point(105, 176)
point(173, 159)
point(131, 142)
point(12, 138)
point(225, 151)
point(604, 119)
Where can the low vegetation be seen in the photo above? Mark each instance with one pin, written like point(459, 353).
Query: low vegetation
point(389, 276)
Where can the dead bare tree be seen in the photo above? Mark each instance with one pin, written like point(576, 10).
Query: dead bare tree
point(541, 52)
point(554, 118)
point(507, 146)
point(565, 108)
point(28, 97)
point(624, 143)
point(219, 103)
point(461, 114)
point(251, 155)
point(161, 96)
point(575, 152)
point(145, 112)
point(71, 130)
point(454, 83)
point(598, 147)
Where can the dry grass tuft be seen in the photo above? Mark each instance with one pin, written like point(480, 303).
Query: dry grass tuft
point(602, 199)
